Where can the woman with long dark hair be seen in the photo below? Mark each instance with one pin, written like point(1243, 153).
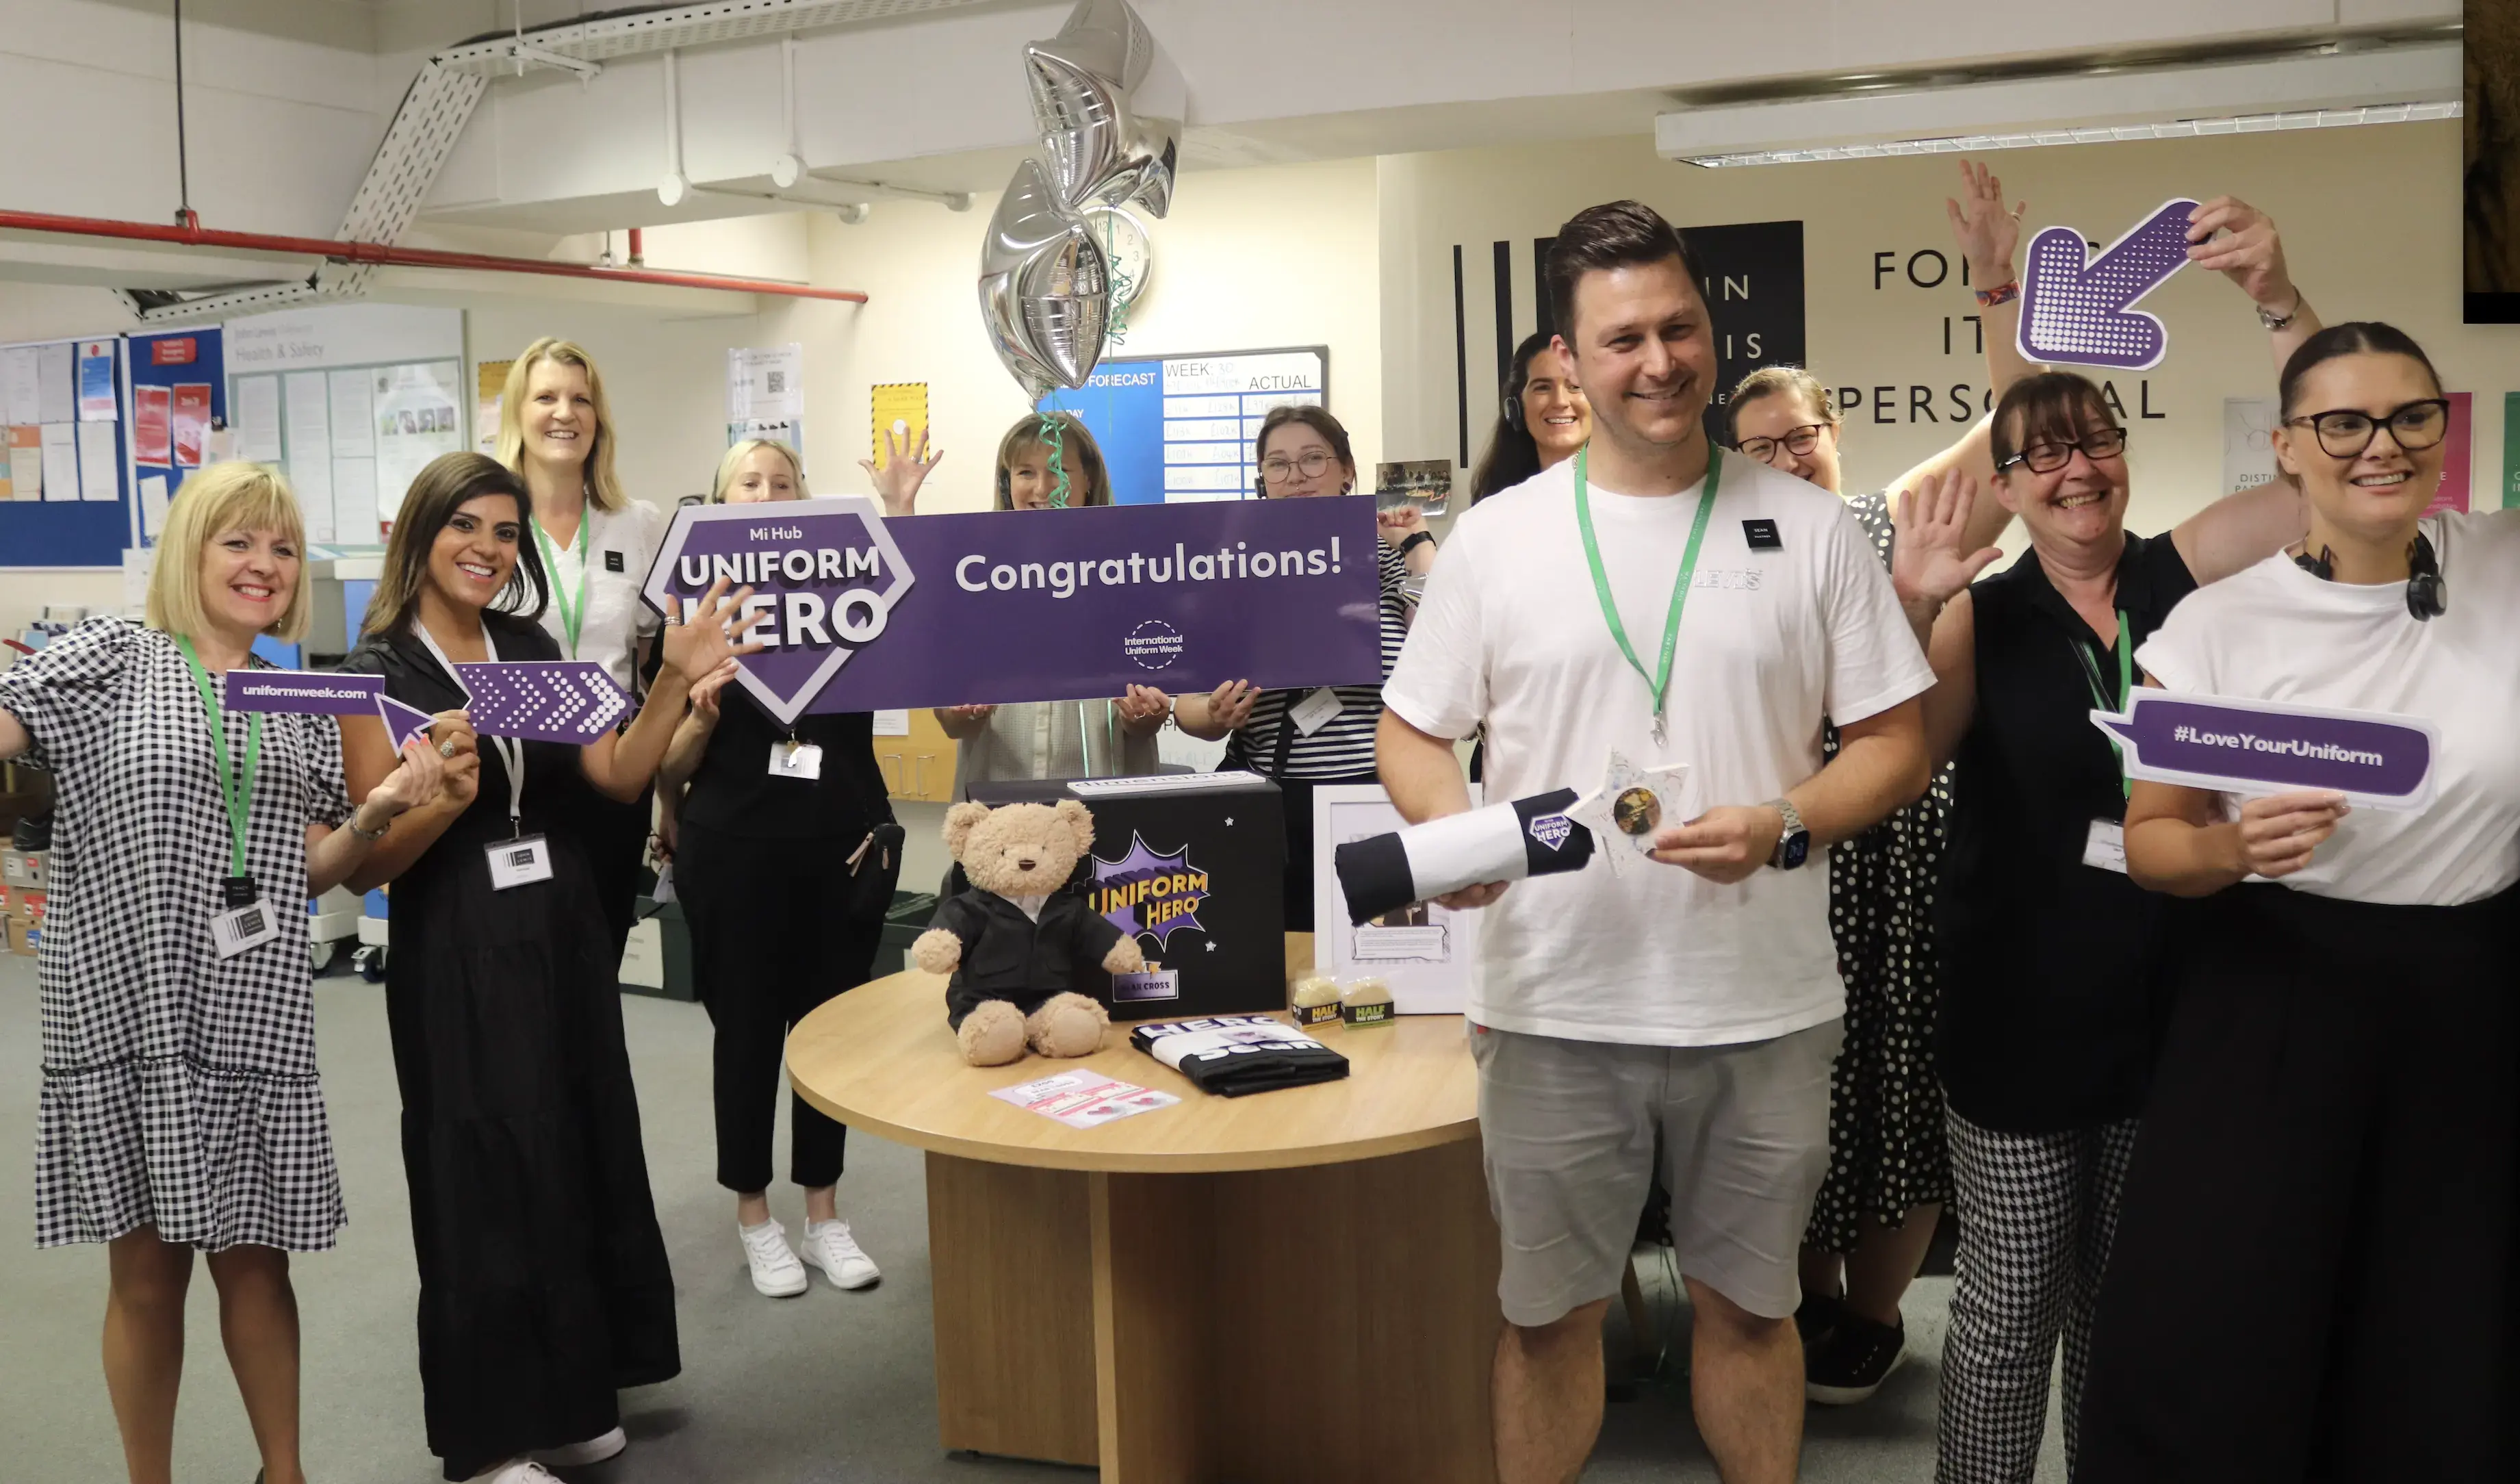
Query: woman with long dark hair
point(1541, 419)
point(543, 1280)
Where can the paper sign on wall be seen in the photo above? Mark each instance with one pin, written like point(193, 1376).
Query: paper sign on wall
point(489, 386)
point(96, 399)
point(2248, 441)
point(2511, 449)
point(899, 407)
point(192, 422)
point(2458, 447)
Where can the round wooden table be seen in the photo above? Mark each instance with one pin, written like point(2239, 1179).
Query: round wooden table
point(1298, 1284)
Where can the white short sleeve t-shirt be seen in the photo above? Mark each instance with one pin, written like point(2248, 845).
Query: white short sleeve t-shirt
point(2275, 632)
point(1510, 635)
point(613, 556)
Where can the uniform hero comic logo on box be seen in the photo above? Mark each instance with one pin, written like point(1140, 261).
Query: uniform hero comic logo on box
point(1144, 893)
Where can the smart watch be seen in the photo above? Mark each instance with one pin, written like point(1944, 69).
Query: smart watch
point(1414, 538)
point(1794, 847)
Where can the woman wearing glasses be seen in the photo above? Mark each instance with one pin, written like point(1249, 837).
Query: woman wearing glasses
point(1323, 734)
point(2311, 1273)
point(1889, 1172)
point(2048, 956)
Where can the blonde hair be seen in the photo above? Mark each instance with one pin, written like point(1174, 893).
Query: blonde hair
point(1078, 453)
point(220, 498)
point(602, 486)
point(1793, 380)
point(736, 456)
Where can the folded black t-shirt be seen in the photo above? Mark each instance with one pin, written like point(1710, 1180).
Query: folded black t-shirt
point(1234, 1055)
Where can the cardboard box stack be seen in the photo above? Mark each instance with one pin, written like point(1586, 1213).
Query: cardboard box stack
point(24, 879)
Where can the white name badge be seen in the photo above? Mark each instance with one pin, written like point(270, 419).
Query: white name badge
point(239, 928)
point(805, 760)
point(1315, 712)
point(519, 861)
point(2106, 846)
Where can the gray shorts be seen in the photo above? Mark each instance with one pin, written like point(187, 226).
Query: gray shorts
point(1569, 1129)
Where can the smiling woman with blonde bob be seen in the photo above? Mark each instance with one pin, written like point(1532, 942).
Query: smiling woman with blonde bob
point(180, 1107)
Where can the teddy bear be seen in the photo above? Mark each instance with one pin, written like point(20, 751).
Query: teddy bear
point(1017, 942)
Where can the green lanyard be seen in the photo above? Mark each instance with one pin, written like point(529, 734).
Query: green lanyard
point(572, 614)
point(238, 791)
point(2101, 694)
point(1658, 684)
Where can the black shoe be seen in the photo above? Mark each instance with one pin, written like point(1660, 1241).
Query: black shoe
point(1857, 1357)
point(1819, 1314)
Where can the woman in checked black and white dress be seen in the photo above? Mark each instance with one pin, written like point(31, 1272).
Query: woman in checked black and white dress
point(180, 1106)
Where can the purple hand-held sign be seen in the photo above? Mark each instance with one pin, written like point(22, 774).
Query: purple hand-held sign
point(2084, 312)
point(861, 613)
point(2261, 747)
point(560, 700)
point(303, 693)
point(402, 722)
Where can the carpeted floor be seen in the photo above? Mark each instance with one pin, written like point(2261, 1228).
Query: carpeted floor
point(821, 1390)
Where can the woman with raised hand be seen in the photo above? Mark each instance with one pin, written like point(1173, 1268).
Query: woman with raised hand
point(181, 1111)
point(2312, 1268)
point(1541, 419)
point(810, 797)
point(543, 1280)
point(596, 543)
point(1052, 738)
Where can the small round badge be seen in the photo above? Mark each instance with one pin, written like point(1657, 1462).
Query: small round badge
point(1637, 811)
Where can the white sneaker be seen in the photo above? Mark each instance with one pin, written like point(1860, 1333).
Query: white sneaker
point(518, 1471)
point(830, 1247)
point(594, 1450)
point(776, 1271)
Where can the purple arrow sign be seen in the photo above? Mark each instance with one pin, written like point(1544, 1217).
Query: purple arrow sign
point(2084, 311)
point(2264, 746)
point(402, 722)
point(305, 692)
point(560, 700)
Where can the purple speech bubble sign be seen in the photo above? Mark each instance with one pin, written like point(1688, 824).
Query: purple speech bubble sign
point(302, 692)
point(2262, 746)
point(557, 701)
point(2083, 311)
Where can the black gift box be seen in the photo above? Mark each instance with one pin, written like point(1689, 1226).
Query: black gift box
point(1200, 877)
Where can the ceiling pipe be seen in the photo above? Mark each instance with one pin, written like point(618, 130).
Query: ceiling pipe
point(385, 254)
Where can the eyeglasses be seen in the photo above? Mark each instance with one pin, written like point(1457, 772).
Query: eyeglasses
point(1797, 442)
point(2048, 458)
point(2345, 433)
point(1314, 463)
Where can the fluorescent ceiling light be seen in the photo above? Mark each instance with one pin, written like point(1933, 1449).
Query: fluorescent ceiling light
point(2182, 128)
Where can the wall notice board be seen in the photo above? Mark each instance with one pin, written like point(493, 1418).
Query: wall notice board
point(178, 394)
point(1179, 428)
point(64, 491)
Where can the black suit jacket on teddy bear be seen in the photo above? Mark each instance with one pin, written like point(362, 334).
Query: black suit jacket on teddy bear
point(1007, 956)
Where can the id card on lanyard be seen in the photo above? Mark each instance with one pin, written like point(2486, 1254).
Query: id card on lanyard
point(572, 614)
point(245, 920)
point(522, 859)
point(1657, 683)
point(2104, 847)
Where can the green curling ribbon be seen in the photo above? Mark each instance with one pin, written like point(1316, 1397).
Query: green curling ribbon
point(1115, 322)
point(1051, 439)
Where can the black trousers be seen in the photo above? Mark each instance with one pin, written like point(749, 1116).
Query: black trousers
point(773, 936)
point(614, 838)
point(1296, 794)
point(2309, 1275)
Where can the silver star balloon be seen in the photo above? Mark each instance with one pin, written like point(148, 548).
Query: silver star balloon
point(1044, 286)
point(1110, 106)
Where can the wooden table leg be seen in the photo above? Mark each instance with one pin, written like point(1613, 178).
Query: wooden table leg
point(1012, 1251)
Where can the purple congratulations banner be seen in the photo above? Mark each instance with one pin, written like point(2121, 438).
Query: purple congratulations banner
point(561, 701)
point(304, 693)
point(2258, 746)
point(1016, 606)
point(2084, 312)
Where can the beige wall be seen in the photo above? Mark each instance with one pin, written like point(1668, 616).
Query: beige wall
point(2369, 216)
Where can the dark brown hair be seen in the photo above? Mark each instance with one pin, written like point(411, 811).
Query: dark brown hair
point(1320, 421)
point(1514, 454)
point(2050, 404)
point(1078, 454)
point(2353, 338)
point(1619, 233)
point(440, 491)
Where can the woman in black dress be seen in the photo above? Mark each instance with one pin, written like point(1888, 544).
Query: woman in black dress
point(811, 797)
point(544, 1284)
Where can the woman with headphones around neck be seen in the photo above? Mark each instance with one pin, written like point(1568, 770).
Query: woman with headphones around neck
point(555, 431)
point(1541, 419)
point(1046, 738)
point(2312, 1268)
point(1313, 735)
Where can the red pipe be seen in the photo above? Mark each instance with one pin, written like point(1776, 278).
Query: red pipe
point(191, 234)
point(638, 253)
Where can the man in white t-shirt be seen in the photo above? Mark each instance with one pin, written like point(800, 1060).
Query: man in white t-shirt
point(1694, 996)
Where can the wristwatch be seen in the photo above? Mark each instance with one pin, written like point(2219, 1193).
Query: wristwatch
point(1794, 847)
point(1414, 538)
point(2274, 321)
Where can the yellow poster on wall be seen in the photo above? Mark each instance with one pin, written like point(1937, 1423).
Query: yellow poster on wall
point(489, 383)
point(900, 409)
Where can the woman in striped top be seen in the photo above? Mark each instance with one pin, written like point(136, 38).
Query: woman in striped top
point(1311, 734)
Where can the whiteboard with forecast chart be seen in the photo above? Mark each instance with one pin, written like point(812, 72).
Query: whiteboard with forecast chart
point(1176, 429)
